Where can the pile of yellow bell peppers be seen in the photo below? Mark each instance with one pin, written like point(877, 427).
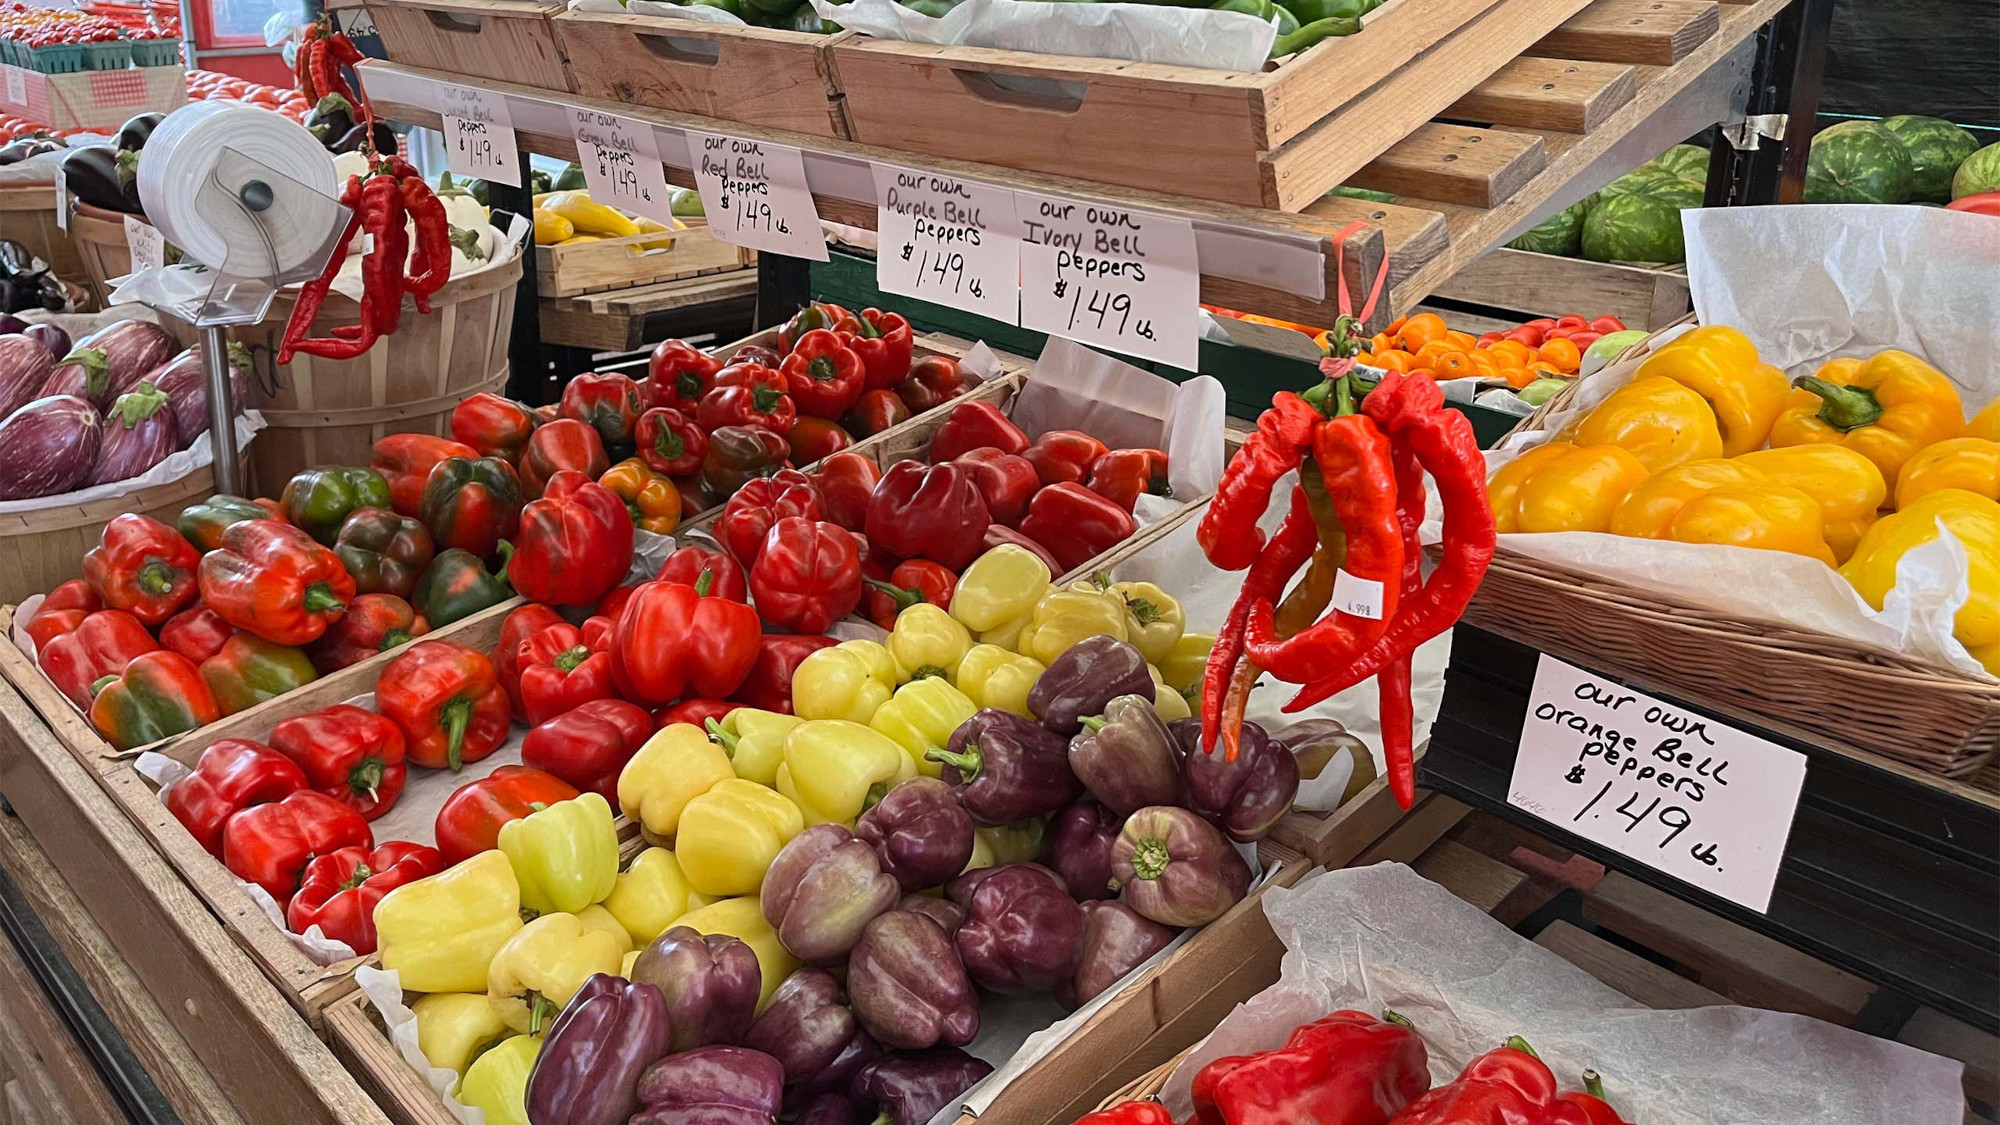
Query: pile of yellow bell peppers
point(569, 218)
point(1853, 466)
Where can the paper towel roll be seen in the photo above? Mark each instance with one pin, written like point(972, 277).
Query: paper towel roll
point(192, 147)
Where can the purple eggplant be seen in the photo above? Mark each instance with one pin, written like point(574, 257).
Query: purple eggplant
point(920, 831)
point(1090, 674)
point(810, 1030)
point(712, 1086)
point(110, 360)
point(908, 986)
point(589, 1067)
point(1176, 868)
point(138, 434)
point(710, 981)
point(1125, 757)
point(186, 386)
point(1022, 931)
point(1079, 848)
point(24, 366)
point(49, 336)
point(1006, 768)
point(1116, 940)
point(823, 888)
point(1246, 797)
point(947, 914)
point(830, 1109)
point(11, 325)
point(910, 1089)
point(47, 446)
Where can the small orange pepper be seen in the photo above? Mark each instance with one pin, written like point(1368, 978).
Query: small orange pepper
point(1514, 352)
point(1454, 365)
point(1561, 352)
point(1422, 329)
point(1518, 377)
point(1430, 354)
point(1462, 340)
point(1484, 363)
point(1396, 325)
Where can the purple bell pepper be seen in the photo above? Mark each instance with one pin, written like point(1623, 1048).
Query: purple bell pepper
point(908, 986)
point(712, 1086)
point(920, 831)
point(710, 982)
point(1116, 940)
point(947, 914)
point(810, 1030)
point(830, 1109)
point(1079, 848)
point(1022, 931)
point(909, 1089)
point(1090, 674)
point(1126, 757)
point(1006, 768)
point(823, 888)
point(1246, 797)
point(1175, 868)
point(589, 1067)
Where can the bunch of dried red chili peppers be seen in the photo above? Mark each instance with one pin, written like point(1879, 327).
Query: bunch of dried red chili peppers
point(322, 52)
point(391, 194)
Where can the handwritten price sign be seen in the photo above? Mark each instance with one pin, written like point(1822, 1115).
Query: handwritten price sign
point(948, 240)
point(479, 136)
point(1706, 803)
point(1120, 279)
point(621, 164)
point(755, 195)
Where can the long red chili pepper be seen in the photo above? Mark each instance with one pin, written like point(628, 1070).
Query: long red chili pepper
point(1289, 548)
point(1228, 532)
point(1392, 683)
point(313, 294)
point(430, 256)
point(380, 212)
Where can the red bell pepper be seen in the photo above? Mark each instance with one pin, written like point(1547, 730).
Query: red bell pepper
point(808, 575)
point(589, 744)
point(678, 374)
point(339, 890)
point(469, 820)
point(924, 511)
point(597, 632)
point(823, 375)
point(749, 514)
point(143, 567)
point(231, 775)
point(725, 575)
point(196, 632)
point(695, 711)
point(559, 673)
point(1348, 1067)
point(911, 583)
point(607, 403)
point(493, 425)
point(1076, 524)
point(874, 412)
point(101, 645)
point(471, 504)
point(1061, 456)
point(406, 460)
point(933, 381)
point(1006, 481)
point(275, 581)
point(248, 670)
point(61, 612)
point(814, 439)
point(845, 482)
point(671, 641)
point(1506, 1086)
point(737, 454)
point(669, 442)
point(1587, 1108)
point(448, 701)
point(971, 425)
point(562, 444)
point(757, 398)
point(1129, 1113)
point(575, 543)
point(270, 844)
point(998, 534)
point(884, 343)
point(521, 624)
point(373, 623)
point(816, 315)
point(1122, 474)
point(348, 753)
point(769, 684)
point(613, 602)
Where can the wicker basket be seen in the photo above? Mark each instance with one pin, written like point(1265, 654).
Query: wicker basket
point(28, 214)
point(1149, 1084)
point(99, 236)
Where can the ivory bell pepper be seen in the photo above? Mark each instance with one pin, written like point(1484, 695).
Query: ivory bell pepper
point(248, 670)
point(1970, 463)
point(1885, 408)
point(927, 641)
point(143, 567)
point(1658, 420)
point(340, 889)
point(848, 681)
point(441, 932)
point(471, 503)
point(496, 1083)
point(565, 856)
point(494, 426)
point(674, 767)
point(671, 641)
point(589, 744)
point(650, 499)
point(157, 694)
point(928, 511)
point(731, 833)
point(202, 524)
point(405, 461)
point(1975, 521)
point(275, 581)
point(232, 774)
point(317, 501)
point(920, 718)
point(650, 894)
point(542, 965)
point(348, 753)
point(101, 645)
point(470, 820)
point(1563, 487)
point(833, 769)
point(270, 845)
point(597, 919)
point(754, 739)
point(1063, 617)
point(743, 918)
point(448, 701)
point(1076, 524)
point(1184, 665)
point(453, 1028)
point(1154, 620)
point(457, 585)
point(383, 552)
point(807, 576)
point(575, 543)
point(1720, 364)
point(1847, 485)
point(990, 676)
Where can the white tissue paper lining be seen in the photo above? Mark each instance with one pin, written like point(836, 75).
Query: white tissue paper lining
point(1150, 33)
point(176, 467)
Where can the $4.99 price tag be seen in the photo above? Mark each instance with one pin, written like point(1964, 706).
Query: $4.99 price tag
point(755, 195)
point(479, 136)
point(621, 164)
point(948, 240)
point(1706, 803)
point(1120, 279)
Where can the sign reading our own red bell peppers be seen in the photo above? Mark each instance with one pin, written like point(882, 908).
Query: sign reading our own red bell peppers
point(755, 195)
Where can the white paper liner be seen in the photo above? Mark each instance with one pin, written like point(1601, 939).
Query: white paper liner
point(175, 467)
point(1150, 33)
point(1383, 937)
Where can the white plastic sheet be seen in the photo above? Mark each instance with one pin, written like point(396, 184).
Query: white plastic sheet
point(1154, 33)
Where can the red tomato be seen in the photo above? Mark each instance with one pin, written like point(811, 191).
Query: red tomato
point(1572, 321)
point(1559, 332)
point(1541, 322)
point(1527, 334)
point(1607, 324)
point(1584, 339)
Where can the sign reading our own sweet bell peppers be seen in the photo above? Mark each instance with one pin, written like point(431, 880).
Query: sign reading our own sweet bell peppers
point(479, 135)
point(1110, 276)
point(755, 195)
point(944, 239)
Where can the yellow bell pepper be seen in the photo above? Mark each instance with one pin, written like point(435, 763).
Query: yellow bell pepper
point(1001, 585)
point(743, 918)
point(674, 767)
point(1885, 408)
point(590, 217)
point(1970, 463)
point(1064, 617)
point(990, 676)
point(1848, 486)
point(1770, 517)
point(1188, 662)
point(920, 718)
point(565, 856)
point(650, 894)
point(1986, 423)
point(597, 918)
point(834, 769)
point(731, 833)
point(1563, 487)
point(1975, 521)
point(847, 681)
point(1154, 620)
point(551, 228)
point(543, 965)
point(651, 499)
point(440, 932)
point(754, 741)
point(496, 1083)
point(1720, 364)
point(1007, 634)
point(453, 1026)
point(631, 959)
point(927, 641)
point(1170, 703)
point(1657, 420)
point(1648, 511)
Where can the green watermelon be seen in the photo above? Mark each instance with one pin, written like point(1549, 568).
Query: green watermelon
point(1936, 147)
point(1858, 162)
point(1633, 228)
point(1672, 189)
point(1686, 162)
point(1561, 233)
point(1632, 181)
point(1980, 172)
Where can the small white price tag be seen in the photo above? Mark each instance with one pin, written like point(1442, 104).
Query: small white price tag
point(952, 241)
point(17, 85)
point(621, 164)
point(1706, 803)
point(755, 195)
point(1117, 278)
point(149, 249)
point(62, 199)
point(1357, 596)
point(479, 136)
point(357, 21)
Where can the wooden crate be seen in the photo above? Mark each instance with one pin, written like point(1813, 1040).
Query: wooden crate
point(622, 263)
point(756, 75)
point(484, 37)
point(1644, 297)
point(625, 320)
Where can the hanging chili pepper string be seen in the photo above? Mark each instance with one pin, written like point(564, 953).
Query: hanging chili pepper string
point(313, 294)
point(1293, 543)
point(1394, 680)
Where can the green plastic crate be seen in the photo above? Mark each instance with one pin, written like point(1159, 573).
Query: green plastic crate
point(63, 58)
point(156, 52)
point(7, 54)
point(115, 55)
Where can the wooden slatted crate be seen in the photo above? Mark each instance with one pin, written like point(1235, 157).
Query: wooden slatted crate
point(622, 263)
point(483, 37)
point(758, 75)
point(1644, 297)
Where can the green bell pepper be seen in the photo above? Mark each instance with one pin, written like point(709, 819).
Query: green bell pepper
point(471, 503)
point(1264, 10)
point(1311, 33)
point(935, 9)
point(317, 501)
point(1309, 10)
point(249, 669)
point(807, 20)
point(202, 524)
point(569, 179)
point(456, 586)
